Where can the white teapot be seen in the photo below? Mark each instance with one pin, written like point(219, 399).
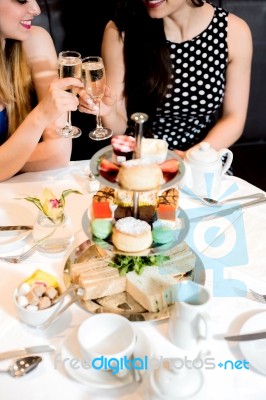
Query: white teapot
point(204, 169)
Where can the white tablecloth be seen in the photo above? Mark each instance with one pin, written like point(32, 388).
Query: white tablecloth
point(233, 253)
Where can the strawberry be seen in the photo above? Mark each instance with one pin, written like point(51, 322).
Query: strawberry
point(108, 166)
point(170, 166)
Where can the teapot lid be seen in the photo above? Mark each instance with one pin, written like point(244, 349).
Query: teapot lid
point(203, 153)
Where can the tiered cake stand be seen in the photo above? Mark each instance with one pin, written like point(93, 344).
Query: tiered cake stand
point(123, 303)
point(107, 153)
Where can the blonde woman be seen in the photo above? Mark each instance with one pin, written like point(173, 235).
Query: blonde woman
point(28, 71)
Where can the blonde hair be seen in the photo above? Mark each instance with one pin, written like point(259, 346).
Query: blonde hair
point(15, 83)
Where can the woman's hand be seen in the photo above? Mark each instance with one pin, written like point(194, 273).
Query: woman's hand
point(180, 153)
point(58, 100)
point(88, 106)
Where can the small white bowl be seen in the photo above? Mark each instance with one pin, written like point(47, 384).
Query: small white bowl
point(33, 317)
point(154, 150)
point(106, 336)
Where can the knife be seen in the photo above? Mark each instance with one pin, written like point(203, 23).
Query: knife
point(227, 211)
point(16, 228)
point(247, 336)
point(23, 351)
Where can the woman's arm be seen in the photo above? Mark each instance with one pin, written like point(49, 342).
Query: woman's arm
point(23, 146)
point(113, 108)
point(53, 151)
point(230, 126)
point(113, 58)
point(23, 151)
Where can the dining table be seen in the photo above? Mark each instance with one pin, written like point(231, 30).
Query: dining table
point(231, 252)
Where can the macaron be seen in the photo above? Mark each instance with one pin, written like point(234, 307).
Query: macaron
point(101, 228)
point(162, 233)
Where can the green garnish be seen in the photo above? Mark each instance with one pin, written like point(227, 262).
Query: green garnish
point(136, 263)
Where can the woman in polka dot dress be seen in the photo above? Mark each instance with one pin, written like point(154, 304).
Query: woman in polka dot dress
point(186, 63)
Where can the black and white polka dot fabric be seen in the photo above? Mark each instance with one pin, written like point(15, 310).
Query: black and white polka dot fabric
point(197, 86)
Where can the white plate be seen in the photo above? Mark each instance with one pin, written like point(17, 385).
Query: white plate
point(72, 362)
point(254, 351)
point(14, 214)
point(110, 179)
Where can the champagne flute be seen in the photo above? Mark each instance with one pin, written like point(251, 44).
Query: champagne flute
point(69, 65)
point(94, 78)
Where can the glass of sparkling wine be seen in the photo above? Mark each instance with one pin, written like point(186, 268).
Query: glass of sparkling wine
point(69, 65)
point(94, 79)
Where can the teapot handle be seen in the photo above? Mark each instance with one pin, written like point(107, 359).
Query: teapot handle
point(229, 160)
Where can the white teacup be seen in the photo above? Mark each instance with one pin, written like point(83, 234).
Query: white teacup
point(106, 338)
point(189, 320)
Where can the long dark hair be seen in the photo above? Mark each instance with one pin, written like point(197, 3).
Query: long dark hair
point(146, 56)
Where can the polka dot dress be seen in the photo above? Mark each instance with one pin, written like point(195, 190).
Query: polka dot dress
point(197, 86)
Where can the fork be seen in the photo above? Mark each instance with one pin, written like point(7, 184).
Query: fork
point(258, 296)
point(21, 257)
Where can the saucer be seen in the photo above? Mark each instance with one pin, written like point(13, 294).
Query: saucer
point(14, 214)
point(183, 386)
point(254, 351)
point(71, 360)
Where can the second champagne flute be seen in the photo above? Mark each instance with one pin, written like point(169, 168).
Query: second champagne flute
point(69, 65)
point(94, 79)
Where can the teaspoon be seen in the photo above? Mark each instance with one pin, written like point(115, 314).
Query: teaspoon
point(212, 202)
point(22, 366)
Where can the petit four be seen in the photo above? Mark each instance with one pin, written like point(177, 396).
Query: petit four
point(101, 227)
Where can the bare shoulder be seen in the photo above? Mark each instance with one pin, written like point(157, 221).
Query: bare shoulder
point(111, 32)
point(238, 28)
point(42, 58)
point(112, 53)
point(111, 26)
point(38, 35)
point(39, 43)
point(40, 32)
point(239, 38)
point(112, 43)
